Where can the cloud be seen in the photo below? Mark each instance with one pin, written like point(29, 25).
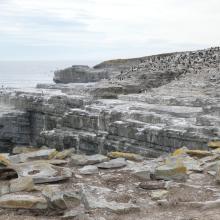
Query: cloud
point(109, 28)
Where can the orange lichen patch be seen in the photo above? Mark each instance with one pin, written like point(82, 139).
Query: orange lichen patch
point(214, 144)
point(4, 160)
point(199, 153)
point(128, 156)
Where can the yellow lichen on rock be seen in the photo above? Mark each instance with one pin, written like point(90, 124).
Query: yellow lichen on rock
point(214, 144)
point(180, 151)
point(199, 153)
point(128, 156)
point(4, 160)
point(64, 154)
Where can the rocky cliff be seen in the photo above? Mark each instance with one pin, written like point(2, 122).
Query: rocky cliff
point(148, 105)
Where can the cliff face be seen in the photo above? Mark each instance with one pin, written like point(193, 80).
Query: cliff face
point(148, 105)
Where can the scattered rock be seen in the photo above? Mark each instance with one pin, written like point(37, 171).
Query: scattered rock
point(127, 156)
point(42, 172)
point(171, 172)
point(112, 164)
point(20, 149)
point(23, 202)
point(36, 155)
point(64, 154)
point(90, 169)
point(82, 160)
point(93, 198)
point(199, 153)
point(143, 175)
point(214, 144)
point(54, 197)
point(22, 184)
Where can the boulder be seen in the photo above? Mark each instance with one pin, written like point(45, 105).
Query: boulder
point(15, 201)
point(112, 164)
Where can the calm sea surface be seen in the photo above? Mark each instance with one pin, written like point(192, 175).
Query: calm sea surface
point(29, 73)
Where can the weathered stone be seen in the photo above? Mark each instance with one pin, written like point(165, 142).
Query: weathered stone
point(112, 164)
point(21, 184)
point(199, 153)
point(214, 144)
point(143, 174)
point(87, 170)
point(42, 172)
point(171, 172)
point(23, 149)
point(4, 188)
point(75, 215)
point(83, 160)
point(54, 197)
point(35, 155)
point(4, 160)
point(128, 156)
point(64, 154)
point(22, 202)
point(93, 198)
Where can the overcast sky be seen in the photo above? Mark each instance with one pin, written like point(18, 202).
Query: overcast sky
point(105, 29)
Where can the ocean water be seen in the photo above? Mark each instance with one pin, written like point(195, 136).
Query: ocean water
point(30, 73)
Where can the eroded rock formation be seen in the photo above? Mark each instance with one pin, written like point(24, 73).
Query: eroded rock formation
point(147, 105)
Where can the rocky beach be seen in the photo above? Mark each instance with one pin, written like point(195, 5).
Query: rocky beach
point(127, 139)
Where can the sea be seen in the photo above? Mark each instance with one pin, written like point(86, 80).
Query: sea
point(18, 74)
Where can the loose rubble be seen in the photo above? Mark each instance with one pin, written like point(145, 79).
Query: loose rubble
point(116, 188)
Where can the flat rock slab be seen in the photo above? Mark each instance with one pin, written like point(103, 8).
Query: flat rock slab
point(94, 198)
point(112, 164)
point(36, 155)
point(23, 202)
point(82, 160)
point(88, 170)
point(42, 172)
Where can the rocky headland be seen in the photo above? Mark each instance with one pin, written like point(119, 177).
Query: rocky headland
point(115, 126)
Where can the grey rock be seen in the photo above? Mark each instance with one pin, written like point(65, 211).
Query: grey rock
point(115, 163)
point(43, 172)
point(35, 155)
point(87, 170)
point(93, 198)
point(87, 160)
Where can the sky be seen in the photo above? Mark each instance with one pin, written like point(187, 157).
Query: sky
point(105, 29)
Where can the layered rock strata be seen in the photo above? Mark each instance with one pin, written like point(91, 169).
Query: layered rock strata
point(148, 105)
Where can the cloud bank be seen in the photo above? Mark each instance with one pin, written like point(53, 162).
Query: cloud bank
point(104, 29)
